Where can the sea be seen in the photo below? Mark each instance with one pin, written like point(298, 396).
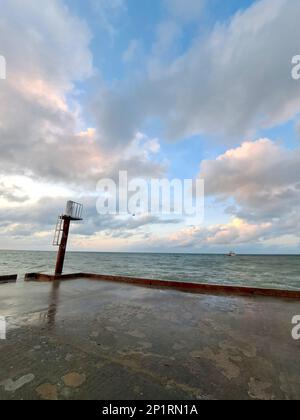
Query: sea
point(275, 271)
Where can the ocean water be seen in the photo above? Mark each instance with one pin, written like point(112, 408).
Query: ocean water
point(245, 270)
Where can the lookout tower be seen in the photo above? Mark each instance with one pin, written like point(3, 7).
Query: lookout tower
point(73, 213)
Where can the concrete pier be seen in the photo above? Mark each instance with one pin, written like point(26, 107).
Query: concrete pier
point(83, 339)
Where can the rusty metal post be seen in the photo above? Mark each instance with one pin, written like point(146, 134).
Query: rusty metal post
point(62, 247)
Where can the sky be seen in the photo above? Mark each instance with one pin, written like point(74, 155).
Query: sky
point(161, 89)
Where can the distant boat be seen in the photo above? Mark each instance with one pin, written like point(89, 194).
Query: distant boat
point(231, 254)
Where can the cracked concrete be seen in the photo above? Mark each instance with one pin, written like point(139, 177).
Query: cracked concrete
point(82, 339)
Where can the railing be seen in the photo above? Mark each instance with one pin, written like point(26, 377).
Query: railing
point(58, 231)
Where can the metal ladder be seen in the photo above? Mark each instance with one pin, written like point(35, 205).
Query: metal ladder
point(58, 231)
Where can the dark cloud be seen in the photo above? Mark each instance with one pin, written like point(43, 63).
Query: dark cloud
point(12, 194)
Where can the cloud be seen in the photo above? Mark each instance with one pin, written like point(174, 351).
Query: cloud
point(262, 178)
point(185, 10)
point(132, 51)
point(38, 221)
point(120, 227)
point(12, 194)
point(47, 51)
point(236, 232)
point(42, 130)
point(108, 12)
point(259, 183)
point(230, 82)
point(32, 45)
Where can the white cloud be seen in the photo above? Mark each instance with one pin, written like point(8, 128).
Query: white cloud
point(236, 232)
point(47, 50)
point(45, 43)
point(262, 177)
point(260, 182)
point(232, 82)
point(42, 130)
point(48, 153)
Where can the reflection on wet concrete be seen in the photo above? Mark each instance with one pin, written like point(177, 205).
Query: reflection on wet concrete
point(53, 304)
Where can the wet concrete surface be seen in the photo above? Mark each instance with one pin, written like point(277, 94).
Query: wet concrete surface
point(83, 339)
